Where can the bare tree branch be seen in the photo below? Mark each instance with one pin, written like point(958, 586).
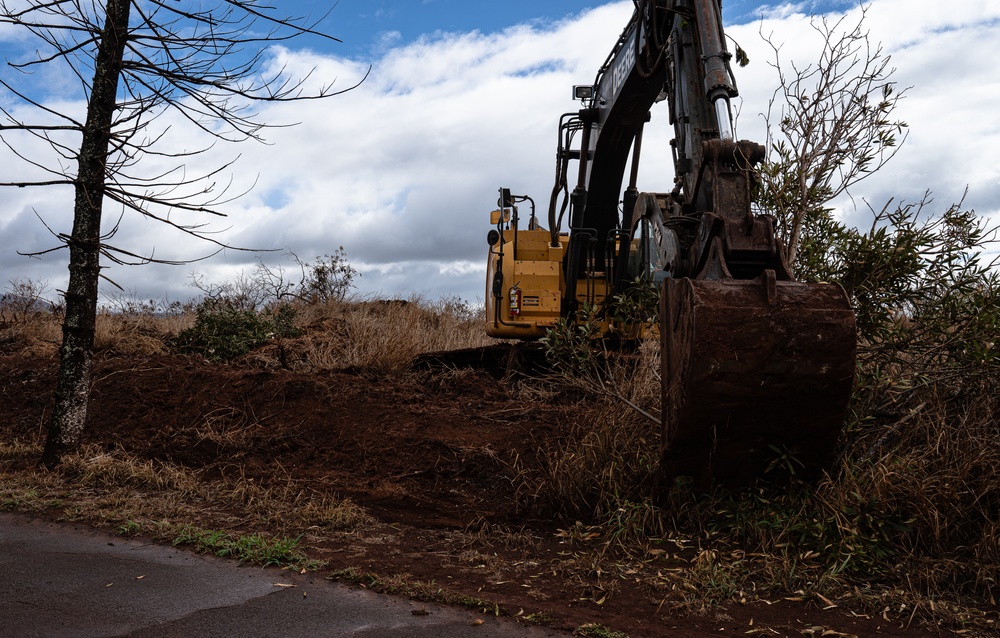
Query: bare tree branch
point(830, 125)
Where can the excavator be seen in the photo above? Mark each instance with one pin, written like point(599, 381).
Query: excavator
point(756, 367)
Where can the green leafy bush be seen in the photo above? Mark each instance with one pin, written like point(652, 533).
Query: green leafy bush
point(571, 344)
point(222, 332)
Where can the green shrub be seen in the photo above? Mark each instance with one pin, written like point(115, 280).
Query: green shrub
point(571, 345)
point(222, 332)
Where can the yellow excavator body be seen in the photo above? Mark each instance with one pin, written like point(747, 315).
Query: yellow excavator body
point(531, 272)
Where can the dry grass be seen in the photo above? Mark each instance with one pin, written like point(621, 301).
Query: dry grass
point(908, 522)
point(16, 449)
point(383, 336)
point(138, 335)
point(606, 464)
point(938, 468)
point(39, 334)
point(140, 496)
point(108, 488)
point(94, 467)
point(375, 337)
point(34, 334)
point(293, 507)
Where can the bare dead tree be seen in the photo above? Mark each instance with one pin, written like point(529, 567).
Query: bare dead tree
point(830, 125)
point(134, 61)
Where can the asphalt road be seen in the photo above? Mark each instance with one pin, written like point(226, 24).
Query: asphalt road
point(68, 581)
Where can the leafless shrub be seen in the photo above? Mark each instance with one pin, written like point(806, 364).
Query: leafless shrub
point(28, 321)
point(328, 279)
point(127, 303)
point(23, 299)
point(830, 125)
point(248, 291)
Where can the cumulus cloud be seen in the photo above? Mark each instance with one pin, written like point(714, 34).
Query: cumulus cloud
point(403, 170)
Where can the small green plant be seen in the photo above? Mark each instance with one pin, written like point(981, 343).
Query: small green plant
point(637, 306)
point(267, 551)
point(538, 618)
point(595, 630)
point(253, 548)
point(784, 460)
point(16, 497)
point(129, 528)
point(479, 604)
point(571, 344)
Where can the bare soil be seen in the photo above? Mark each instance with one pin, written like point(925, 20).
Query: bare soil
point(434, 457)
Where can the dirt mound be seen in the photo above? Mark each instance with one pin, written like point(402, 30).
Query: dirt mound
point(435, 457)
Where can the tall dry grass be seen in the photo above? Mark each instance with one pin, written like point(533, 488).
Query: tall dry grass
point(138, 335)
point(608, 460)
point(937, 469)
point(376, 337)
point(39, 333)
point(35, 333)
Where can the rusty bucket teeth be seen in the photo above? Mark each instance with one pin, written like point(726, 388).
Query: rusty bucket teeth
point(753, 370)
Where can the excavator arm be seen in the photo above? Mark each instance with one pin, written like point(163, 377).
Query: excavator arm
point(755, 366)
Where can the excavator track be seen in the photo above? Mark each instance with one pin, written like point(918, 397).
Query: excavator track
point(499, 360)
point(756, 373)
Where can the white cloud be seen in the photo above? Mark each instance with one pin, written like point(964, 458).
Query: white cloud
point(783, 11)
point(945, 60)
point(403, 170)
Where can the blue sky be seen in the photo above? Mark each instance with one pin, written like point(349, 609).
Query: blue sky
point(464, 98)
point(366, 26)
point(363, 23)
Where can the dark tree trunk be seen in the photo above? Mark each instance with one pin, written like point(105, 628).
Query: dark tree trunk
point(73, 390)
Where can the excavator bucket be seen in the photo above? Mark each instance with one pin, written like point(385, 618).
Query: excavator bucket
point(756, 373)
